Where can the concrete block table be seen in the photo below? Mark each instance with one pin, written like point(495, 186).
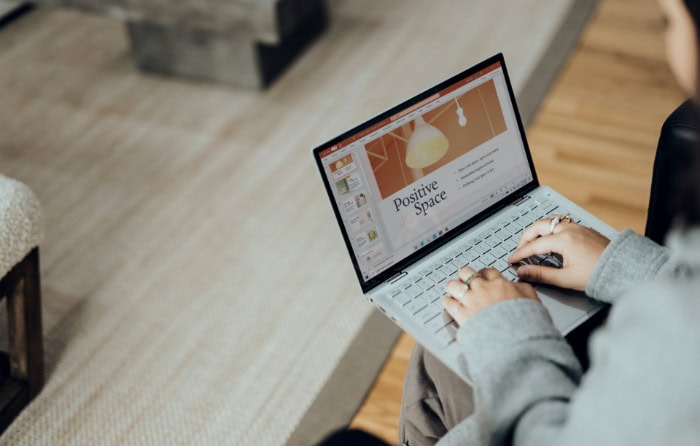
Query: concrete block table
point(240, 42)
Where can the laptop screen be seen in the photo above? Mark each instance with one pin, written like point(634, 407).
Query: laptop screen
point(406, 179)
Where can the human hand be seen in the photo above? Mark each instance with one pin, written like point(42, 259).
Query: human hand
point(475, 291)
point(580, 247)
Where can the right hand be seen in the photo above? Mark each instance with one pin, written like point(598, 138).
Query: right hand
point(581, 247)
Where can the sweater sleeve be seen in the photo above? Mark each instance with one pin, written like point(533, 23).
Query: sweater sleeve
point(516, 358)
point(638, 391)
point(628, 260)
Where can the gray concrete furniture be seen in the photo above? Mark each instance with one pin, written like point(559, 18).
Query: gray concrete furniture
point(241, 42)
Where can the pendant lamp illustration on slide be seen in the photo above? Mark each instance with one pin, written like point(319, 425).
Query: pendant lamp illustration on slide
point(426, 145)
point(461, 119)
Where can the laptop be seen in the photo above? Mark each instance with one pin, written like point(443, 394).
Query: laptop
point(443, 180)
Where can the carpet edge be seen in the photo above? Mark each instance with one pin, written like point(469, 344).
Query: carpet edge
point(360, 365)
point(564, 41)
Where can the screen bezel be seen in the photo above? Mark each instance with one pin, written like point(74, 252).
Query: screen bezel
point(398, 267)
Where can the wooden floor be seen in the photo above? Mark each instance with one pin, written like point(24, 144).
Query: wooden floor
point(593, 140)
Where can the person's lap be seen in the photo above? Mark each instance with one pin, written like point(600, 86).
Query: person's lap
point(435, 399)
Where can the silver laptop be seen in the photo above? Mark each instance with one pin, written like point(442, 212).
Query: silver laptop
point(441, 181)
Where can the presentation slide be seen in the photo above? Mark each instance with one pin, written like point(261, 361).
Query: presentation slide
point(433, 167)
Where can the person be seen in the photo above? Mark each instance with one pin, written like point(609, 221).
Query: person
point(527, 387)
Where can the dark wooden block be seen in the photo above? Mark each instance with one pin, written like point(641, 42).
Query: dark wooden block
point(13, 398)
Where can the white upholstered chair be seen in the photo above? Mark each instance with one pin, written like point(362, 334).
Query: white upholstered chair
point(22, 365)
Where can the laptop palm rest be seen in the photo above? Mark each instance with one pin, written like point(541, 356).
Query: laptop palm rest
point(566, 307)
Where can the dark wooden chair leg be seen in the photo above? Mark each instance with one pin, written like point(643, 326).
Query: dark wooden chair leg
point(25, 327)
point(22, 366)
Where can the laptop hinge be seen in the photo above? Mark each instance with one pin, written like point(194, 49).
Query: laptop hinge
point(396, 277)
point(520, 200)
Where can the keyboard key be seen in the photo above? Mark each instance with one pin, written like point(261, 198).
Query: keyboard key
point(443, 295)
point(534, 259)
point(477, 265)
point(437, 323)
point(492, 241)
point(510, 245)
point(513, 228)
point(427, 313)
point(447, 270)
point(510, 274)
point(487, 259)
point(461, 260)
point(438, 276)
point(403, 298)
point(473, 255)
point(433, 295)
point(430, 278)
point(553, 260)
point(445, 336)
point(413, 291)
point(546, 205)
point(425, 284)
point(501, 265)
point(549, 206)
point(416, 305)
point(525, 221)
point(502, 234)
point(499, 252)
point(482, 248)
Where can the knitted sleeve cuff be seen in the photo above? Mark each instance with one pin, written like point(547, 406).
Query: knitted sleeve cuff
point(627, 260)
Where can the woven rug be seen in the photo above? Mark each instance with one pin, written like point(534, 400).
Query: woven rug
point(196, 289)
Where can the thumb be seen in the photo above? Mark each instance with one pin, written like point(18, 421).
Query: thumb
point(542, 274)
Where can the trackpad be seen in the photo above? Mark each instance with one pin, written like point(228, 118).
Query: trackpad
point(566, 307)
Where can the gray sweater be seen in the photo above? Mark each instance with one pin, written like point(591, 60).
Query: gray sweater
point(643, 387)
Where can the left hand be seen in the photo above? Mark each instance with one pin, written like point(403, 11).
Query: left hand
point(487, 288)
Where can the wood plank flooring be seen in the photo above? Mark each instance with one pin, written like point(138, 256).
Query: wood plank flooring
point(593, 140)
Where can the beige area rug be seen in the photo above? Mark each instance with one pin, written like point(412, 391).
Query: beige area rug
point(196, 289)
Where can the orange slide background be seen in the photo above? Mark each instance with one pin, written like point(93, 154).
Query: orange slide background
point(485, 120)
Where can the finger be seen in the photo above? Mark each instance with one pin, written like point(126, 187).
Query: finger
point(540, 274)
point(542, 245)
point(465, 272)
point(490, 273)
point(457, 290)
point(456, 310)
point(541, 228)
point(537, 229)
point(526, 290)
point(484, 277)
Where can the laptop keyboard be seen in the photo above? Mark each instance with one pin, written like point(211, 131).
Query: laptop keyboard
point(422, 298)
